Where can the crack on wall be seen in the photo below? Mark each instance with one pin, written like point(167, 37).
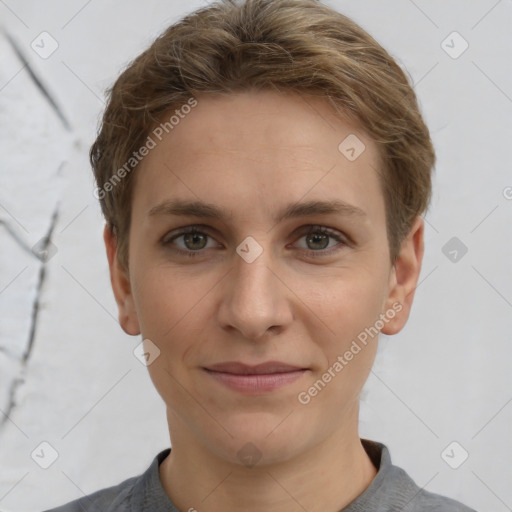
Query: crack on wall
point(15, 236)
point(12, 391)
point(46, 240)
point(42, 274)
point(46, 93)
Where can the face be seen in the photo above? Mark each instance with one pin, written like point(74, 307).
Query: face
point(252, 285)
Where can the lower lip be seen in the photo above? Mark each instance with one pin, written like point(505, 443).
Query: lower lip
point(252, 384)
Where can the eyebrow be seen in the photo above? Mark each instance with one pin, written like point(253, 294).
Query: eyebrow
point(200, 209)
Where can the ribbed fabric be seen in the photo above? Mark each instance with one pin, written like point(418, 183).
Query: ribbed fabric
point(391, 490)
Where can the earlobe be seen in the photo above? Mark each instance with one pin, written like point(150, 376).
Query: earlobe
point(120, 286)
point(128, 317)
point(404, 278)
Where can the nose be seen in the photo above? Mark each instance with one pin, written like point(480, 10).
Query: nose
point(255, 299)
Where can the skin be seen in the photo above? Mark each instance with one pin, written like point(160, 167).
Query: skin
point(252, 153)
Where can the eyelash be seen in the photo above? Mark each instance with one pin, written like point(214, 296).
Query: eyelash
point(312, 230)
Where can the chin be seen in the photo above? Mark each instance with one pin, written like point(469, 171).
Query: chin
point(259, 441)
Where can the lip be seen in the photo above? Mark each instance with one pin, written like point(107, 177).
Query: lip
point(266, 368)
point(255, 379)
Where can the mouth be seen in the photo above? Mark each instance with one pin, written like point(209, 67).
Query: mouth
point(256, 379)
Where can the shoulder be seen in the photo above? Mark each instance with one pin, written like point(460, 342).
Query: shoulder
point(137, 493)
point(415, 499)
point(112, 498)
point(394, 489)
point(430, 502)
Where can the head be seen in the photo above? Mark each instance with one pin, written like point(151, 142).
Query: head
point(253, 107)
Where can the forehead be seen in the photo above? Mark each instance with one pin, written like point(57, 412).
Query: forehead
point(260, 148)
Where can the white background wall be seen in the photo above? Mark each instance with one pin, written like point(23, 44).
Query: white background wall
point(67, 372)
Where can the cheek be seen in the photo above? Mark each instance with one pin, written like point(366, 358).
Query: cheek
point(345, 303)
point(349, 309)
point(166, 301)
point(171, 310)
point(169, 307)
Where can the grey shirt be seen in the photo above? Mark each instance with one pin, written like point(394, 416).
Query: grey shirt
point(391, 490)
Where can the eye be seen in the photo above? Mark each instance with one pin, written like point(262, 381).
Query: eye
point(318, 238)
point(196, 238)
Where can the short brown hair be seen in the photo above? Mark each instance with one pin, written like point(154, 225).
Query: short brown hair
point(292, 45)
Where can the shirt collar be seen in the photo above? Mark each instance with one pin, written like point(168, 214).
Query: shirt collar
point(390, 487)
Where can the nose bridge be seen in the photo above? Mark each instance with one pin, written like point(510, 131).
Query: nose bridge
point(254, 301)
point(253, 278)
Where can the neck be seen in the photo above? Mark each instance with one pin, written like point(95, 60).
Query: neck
point(326, 477)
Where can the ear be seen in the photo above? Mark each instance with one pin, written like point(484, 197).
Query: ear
point(120, 286)
point(403, 278)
